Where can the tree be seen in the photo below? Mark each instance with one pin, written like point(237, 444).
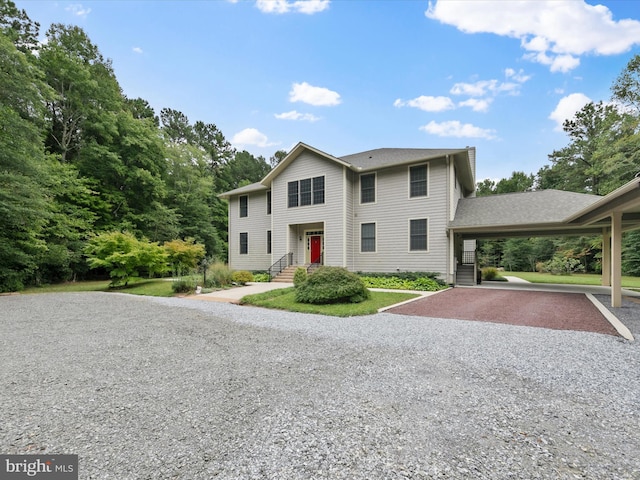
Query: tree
point(23, 203)
point(124, 256)
point(184, 255)
point(16, 25)
point(626, 88)
point(518, 182)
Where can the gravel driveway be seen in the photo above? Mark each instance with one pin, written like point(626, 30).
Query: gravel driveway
point(149, 388)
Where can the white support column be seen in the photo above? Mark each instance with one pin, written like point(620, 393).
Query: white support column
point(606, 257)
point(616, 259)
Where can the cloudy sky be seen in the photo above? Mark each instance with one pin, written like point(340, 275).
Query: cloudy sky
point(346, 76)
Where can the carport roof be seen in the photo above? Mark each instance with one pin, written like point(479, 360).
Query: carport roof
point(544, 212)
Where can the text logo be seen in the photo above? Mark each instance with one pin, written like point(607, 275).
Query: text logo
point(39, 467)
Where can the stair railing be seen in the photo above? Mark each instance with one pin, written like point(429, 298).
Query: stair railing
point(280, 265)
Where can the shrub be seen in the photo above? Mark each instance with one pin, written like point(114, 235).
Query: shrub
point(489, 273)
point(218, 275)
point(561, 265)
point(184, 285)
point(261, 277)
point(300, 276)
point(395, 283)
point(332, 285)
point(242, 277)
point(410, 276)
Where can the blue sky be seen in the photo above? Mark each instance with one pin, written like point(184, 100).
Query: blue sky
point(351, 75)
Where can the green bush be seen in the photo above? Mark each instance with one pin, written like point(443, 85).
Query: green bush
point(410, 276)
point(394, 283)
point(242, 277)
point(489, 273)
point(332, 285)
point(261, 277)
point(300, 276)
point(184, 285)
point(218, 276)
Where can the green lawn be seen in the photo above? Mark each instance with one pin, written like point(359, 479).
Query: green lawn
point(574, 279)
point(155, 287)
point(284, 299)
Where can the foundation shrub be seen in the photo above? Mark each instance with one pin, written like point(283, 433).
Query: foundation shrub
point(242, 277)
point(489, 273)
point(300, 276)
point(332, 285)
point(218, 276)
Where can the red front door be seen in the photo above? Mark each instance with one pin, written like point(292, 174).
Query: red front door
point(316, 248)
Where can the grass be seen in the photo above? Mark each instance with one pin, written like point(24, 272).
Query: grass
point(156, 287)
point(574, 279)
point(284, 299)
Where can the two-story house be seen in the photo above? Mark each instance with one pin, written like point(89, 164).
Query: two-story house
point(383, 210)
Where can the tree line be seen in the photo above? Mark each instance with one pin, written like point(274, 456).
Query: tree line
point(603, 154)
point(79, 158)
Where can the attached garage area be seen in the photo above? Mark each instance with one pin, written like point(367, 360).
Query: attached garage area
point(553, 213)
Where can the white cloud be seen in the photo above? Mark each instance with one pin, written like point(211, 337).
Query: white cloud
point(137, 50)
point(317, 96)
point(294, 115)
point(554, 33)
point(567, 107)
point(78, 10)
point(308, 7)
point(251, 136)
point(477, 105)
point(427, 103)
point(454, 128)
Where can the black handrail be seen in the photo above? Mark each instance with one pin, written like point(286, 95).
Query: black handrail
point(280, 265)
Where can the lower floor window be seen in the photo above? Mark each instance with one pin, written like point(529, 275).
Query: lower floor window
point(368, 237)
point(244, 243)
point(418, 235)
point(268, 241)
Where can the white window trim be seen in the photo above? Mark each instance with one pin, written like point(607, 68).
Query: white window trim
point(375, 188)
point(240, 206)
point(418, 252)
point(376, 238)
point(428, 181)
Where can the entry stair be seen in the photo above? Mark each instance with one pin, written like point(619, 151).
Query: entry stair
point(464, 275)
point(286, 275)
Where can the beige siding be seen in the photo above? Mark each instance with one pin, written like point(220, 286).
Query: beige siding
point(290, 224)
point(256, 225)
point(391, 213)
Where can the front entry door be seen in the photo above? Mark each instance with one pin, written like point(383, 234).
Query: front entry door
point(316, 248)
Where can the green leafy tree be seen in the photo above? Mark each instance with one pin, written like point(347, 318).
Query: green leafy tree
point(124, 256)
point(16, 25)
point(184, 255)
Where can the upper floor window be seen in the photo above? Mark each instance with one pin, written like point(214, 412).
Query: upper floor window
point(368, 188)
point(268, 241)
point(309, 191)
point(418, 181)
point(269, 202)
point(244, 206)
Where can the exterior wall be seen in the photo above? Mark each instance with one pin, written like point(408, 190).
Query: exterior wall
point(289, 224)
point(392, 211)
point(256, 225)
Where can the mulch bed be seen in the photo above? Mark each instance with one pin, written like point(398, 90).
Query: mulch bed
point(559, 311)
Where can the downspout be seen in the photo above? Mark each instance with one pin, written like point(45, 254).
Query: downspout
point(344, 216)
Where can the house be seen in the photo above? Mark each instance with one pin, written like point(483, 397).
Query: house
point(403, 209)
point(382, 210)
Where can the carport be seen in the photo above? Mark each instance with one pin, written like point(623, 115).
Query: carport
point(552, 213)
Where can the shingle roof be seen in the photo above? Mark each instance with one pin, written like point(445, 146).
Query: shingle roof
point(382, 157)
point(537, 207)
point(254, 187)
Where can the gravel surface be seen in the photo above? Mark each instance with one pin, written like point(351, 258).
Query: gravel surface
point(150, 388)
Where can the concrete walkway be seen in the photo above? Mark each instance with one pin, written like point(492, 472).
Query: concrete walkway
point(233, 295)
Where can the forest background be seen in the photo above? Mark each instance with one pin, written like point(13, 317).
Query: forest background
point(79, 159)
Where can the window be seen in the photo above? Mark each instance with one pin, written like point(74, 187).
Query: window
point(269, 202)
point(293, 194)
point(309, 191)
point(318, 190)
point(368, 237)
point(418, 181)
point(244, 206)
point(268, 241)
point(368, 188)
point(305, 192)
point(418, 235)
point(244, 243)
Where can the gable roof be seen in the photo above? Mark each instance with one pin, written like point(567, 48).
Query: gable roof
point(367, 161)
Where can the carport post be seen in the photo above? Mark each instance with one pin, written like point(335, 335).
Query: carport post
point(606, 257)
point(616, 259)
